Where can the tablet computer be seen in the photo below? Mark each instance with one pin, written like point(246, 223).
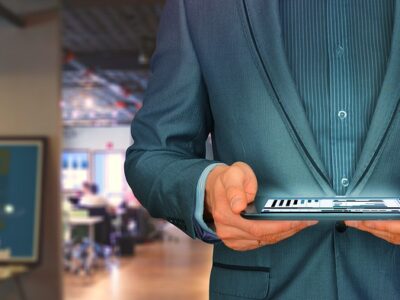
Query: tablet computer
point(333, 208)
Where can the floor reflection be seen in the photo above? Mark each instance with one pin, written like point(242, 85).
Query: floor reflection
point(175, 268)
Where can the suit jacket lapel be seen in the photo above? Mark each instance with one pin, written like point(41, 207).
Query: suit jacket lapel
point(385, 109)
point(262, 26)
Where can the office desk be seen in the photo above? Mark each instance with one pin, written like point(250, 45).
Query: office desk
point(85, 221)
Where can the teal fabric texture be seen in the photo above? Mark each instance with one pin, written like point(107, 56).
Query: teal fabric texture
point(225, 68)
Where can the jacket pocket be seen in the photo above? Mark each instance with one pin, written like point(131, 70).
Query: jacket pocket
point(243, 282)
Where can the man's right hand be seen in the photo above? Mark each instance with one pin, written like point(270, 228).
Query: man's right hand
point(229, 189)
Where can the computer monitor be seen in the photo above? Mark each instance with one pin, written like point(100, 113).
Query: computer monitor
point(21, 176)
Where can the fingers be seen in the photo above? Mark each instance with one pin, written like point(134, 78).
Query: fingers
point(226, 232)
point(387, 230)
point(256, 228)
point(272, 239)
point(244, 244)
point(250, 182)
point(261, 228)
point(240, 185)
point(391, 226)
point(228, 192)
point(388, 236)
point(228, 224)
point(277, 237)
point(268, 231)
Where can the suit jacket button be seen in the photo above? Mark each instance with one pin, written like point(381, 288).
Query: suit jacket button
point(340, 226)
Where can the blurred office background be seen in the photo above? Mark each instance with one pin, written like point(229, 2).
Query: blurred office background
point(75, 72)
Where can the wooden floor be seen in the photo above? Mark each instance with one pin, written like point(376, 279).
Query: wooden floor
point(160, 270)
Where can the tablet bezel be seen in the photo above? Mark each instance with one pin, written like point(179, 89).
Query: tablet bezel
point(254, 214)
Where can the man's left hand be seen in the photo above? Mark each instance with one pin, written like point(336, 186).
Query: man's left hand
point(387, 230)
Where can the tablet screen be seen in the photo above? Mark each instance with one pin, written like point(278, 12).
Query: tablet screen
point(333, 205)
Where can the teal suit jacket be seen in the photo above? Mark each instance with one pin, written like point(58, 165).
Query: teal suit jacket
point(220, 67)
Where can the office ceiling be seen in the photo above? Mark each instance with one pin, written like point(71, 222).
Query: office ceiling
point(24, 13)
point(24, 7)
point(107, 46)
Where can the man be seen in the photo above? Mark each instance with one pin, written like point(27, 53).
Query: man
point(90, 197)
point(301, 98)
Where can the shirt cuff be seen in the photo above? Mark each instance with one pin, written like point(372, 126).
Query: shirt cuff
point(205, 236)
point(203, 231)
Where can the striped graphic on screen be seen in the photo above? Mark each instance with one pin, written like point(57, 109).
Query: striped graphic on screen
point(332, 205)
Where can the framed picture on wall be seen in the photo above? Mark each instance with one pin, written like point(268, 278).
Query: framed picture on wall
point(21, 181)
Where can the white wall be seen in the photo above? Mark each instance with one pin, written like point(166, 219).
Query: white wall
point(30, 62)
point(97, 138)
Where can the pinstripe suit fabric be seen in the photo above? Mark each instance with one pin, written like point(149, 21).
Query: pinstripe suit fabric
point(338, 51)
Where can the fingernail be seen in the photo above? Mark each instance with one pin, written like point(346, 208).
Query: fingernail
point(235, 202)
point(309, 223)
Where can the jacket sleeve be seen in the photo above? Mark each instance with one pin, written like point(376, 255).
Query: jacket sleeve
point(167, 157)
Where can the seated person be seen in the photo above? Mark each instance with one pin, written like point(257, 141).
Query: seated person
point(90, 197)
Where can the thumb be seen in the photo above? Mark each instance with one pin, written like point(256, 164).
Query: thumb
point(249, 182)
point(240, 183)
point(238, 203)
